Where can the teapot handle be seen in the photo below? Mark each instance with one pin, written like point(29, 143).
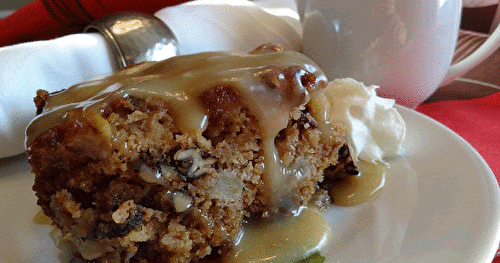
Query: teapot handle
point(485, 50)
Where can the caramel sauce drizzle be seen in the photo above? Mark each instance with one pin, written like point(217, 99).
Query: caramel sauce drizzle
point(180, 81)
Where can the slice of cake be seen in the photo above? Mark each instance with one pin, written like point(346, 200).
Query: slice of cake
point(164, 161)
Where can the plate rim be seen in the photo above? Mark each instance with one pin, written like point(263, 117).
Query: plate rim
point(488, 175)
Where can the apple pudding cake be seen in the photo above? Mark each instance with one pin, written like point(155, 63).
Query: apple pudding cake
point(165, 161)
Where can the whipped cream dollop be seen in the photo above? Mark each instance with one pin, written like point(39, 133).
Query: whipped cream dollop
point(375, 128)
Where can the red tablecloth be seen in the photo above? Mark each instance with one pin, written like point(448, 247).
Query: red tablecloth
point(45, 19)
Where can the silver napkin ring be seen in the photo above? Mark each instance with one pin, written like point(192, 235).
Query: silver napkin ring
point(135, 37)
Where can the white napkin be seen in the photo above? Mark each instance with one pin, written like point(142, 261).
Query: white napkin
point(50, 65)
point(233, 25)
point(53, 65)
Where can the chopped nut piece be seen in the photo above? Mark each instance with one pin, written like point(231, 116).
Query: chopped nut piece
point(40, 100)
point(123, 212)
point(191, 165)
point(307, 121)
point(126, 218)
point(149, 175)
point(101, 124)
point(182, 202)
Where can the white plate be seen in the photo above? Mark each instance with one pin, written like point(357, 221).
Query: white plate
point(445, 209)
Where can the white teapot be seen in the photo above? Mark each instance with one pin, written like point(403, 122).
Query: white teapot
point(403, 46)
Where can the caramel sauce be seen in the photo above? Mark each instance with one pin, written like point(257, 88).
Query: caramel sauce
point(259, 78)
point(354, 190)
point(285, 240)
point(41, 219)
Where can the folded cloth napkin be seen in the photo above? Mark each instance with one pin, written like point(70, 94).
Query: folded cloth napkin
point(50, 65)
point(56, 64)
point(476, 120)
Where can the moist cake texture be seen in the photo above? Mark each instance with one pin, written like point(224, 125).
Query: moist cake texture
point(164, 161)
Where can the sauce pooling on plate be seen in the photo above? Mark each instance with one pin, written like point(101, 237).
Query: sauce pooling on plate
point(354, 190)
point(282, 240)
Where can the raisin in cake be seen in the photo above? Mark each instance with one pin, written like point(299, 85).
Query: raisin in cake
point(163, 161)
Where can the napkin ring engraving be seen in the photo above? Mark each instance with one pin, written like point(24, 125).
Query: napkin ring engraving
point(136, 37)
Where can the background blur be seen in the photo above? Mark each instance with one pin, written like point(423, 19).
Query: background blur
point(12, 4)
point(479, 17)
